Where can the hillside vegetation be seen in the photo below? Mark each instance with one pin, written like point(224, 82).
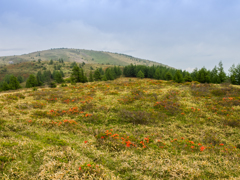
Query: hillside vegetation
point(121, 129)
point(79, 56)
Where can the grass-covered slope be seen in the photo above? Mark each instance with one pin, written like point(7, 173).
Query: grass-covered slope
point(79, 56)
point(138, 129)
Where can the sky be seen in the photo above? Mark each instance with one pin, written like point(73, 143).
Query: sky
point(184, 34)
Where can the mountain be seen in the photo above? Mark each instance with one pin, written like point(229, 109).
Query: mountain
point(79, 56)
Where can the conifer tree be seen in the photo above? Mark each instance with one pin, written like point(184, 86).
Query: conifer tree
point(51, 62)
point(140, 74)
point(13, 83)
point(20, 79)
point(168, 76)
point(178, 77)
point(157, 74)
point(5, 86)
point(97, 75)
point(31, 81)
point(78, 75)
point(90, 77)
point(187, 77)
point(109, 74)
point(58, 77)
point(221, 74)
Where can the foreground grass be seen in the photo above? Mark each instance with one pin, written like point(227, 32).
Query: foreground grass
point(138, 129)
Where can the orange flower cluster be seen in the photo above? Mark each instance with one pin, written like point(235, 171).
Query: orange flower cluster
point(59, 123)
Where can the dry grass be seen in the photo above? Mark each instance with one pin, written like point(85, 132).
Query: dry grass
point(138, 129)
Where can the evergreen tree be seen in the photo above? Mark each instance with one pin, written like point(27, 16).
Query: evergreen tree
point(90, 77)
point(104, 78)
point(47, 75)
point(31, 81)
point(109, 74)
point(20, 79)
point(237, 70)
point(157, 74)
point(178, 77)
point(140, 74)
point(7, 78)
point(151, 72)
point(5, 86)
point(14, 84)
point(97, 75)
point(51, 62)
point(214, 75)
point(62, 73)
point(101, 71)
point(58, 77)
point(187, 77)
point(194, 74)
point(73, 64)
point(168, 76)
point(221, 74)
point(119, 72)
point(39, 78)
point(78, 75)
point(203, 76)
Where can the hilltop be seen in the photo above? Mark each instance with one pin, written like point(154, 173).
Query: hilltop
point(79, 56)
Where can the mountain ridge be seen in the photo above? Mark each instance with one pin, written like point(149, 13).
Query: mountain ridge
point(79, 56)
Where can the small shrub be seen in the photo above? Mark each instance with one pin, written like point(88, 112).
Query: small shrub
point(136, 117)
point(232, 122)
point(218, 92)
point(52, 85)
point(34, 89)
point(64, 85)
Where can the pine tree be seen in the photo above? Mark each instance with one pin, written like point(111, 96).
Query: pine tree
point(214, 75)
point(151, 72)
point(168, 76)
point(5, 86)
point(221, 74)
point(39, 78)
point(78, 75)
point(178, 77)
point(31, 81)
point(90, 77)
point(157, 74)
point(58, 77)
point(62, 73)
point(237, 71)
point(109, 74)
point(187, 77)
point(13, 83)
point(51, 62)
point(97, 75)
point(140, 74)
point(20, 79)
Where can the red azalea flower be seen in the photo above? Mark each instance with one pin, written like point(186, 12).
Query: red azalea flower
point(202, 148)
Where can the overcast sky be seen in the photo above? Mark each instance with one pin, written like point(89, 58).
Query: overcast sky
point(180, 33)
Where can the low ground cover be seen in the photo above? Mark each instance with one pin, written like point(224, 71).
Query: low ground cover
point(121, 129)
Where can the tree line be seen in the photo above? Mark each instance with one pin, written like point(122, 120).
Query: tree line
point(10, 82)
point(216, 75)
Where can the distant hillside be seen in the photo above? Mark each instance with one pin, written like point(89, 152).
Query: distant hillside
point(79, 56)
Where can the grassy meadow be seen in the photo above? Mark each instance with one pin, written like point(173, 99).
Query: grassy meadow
point(121, 129)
